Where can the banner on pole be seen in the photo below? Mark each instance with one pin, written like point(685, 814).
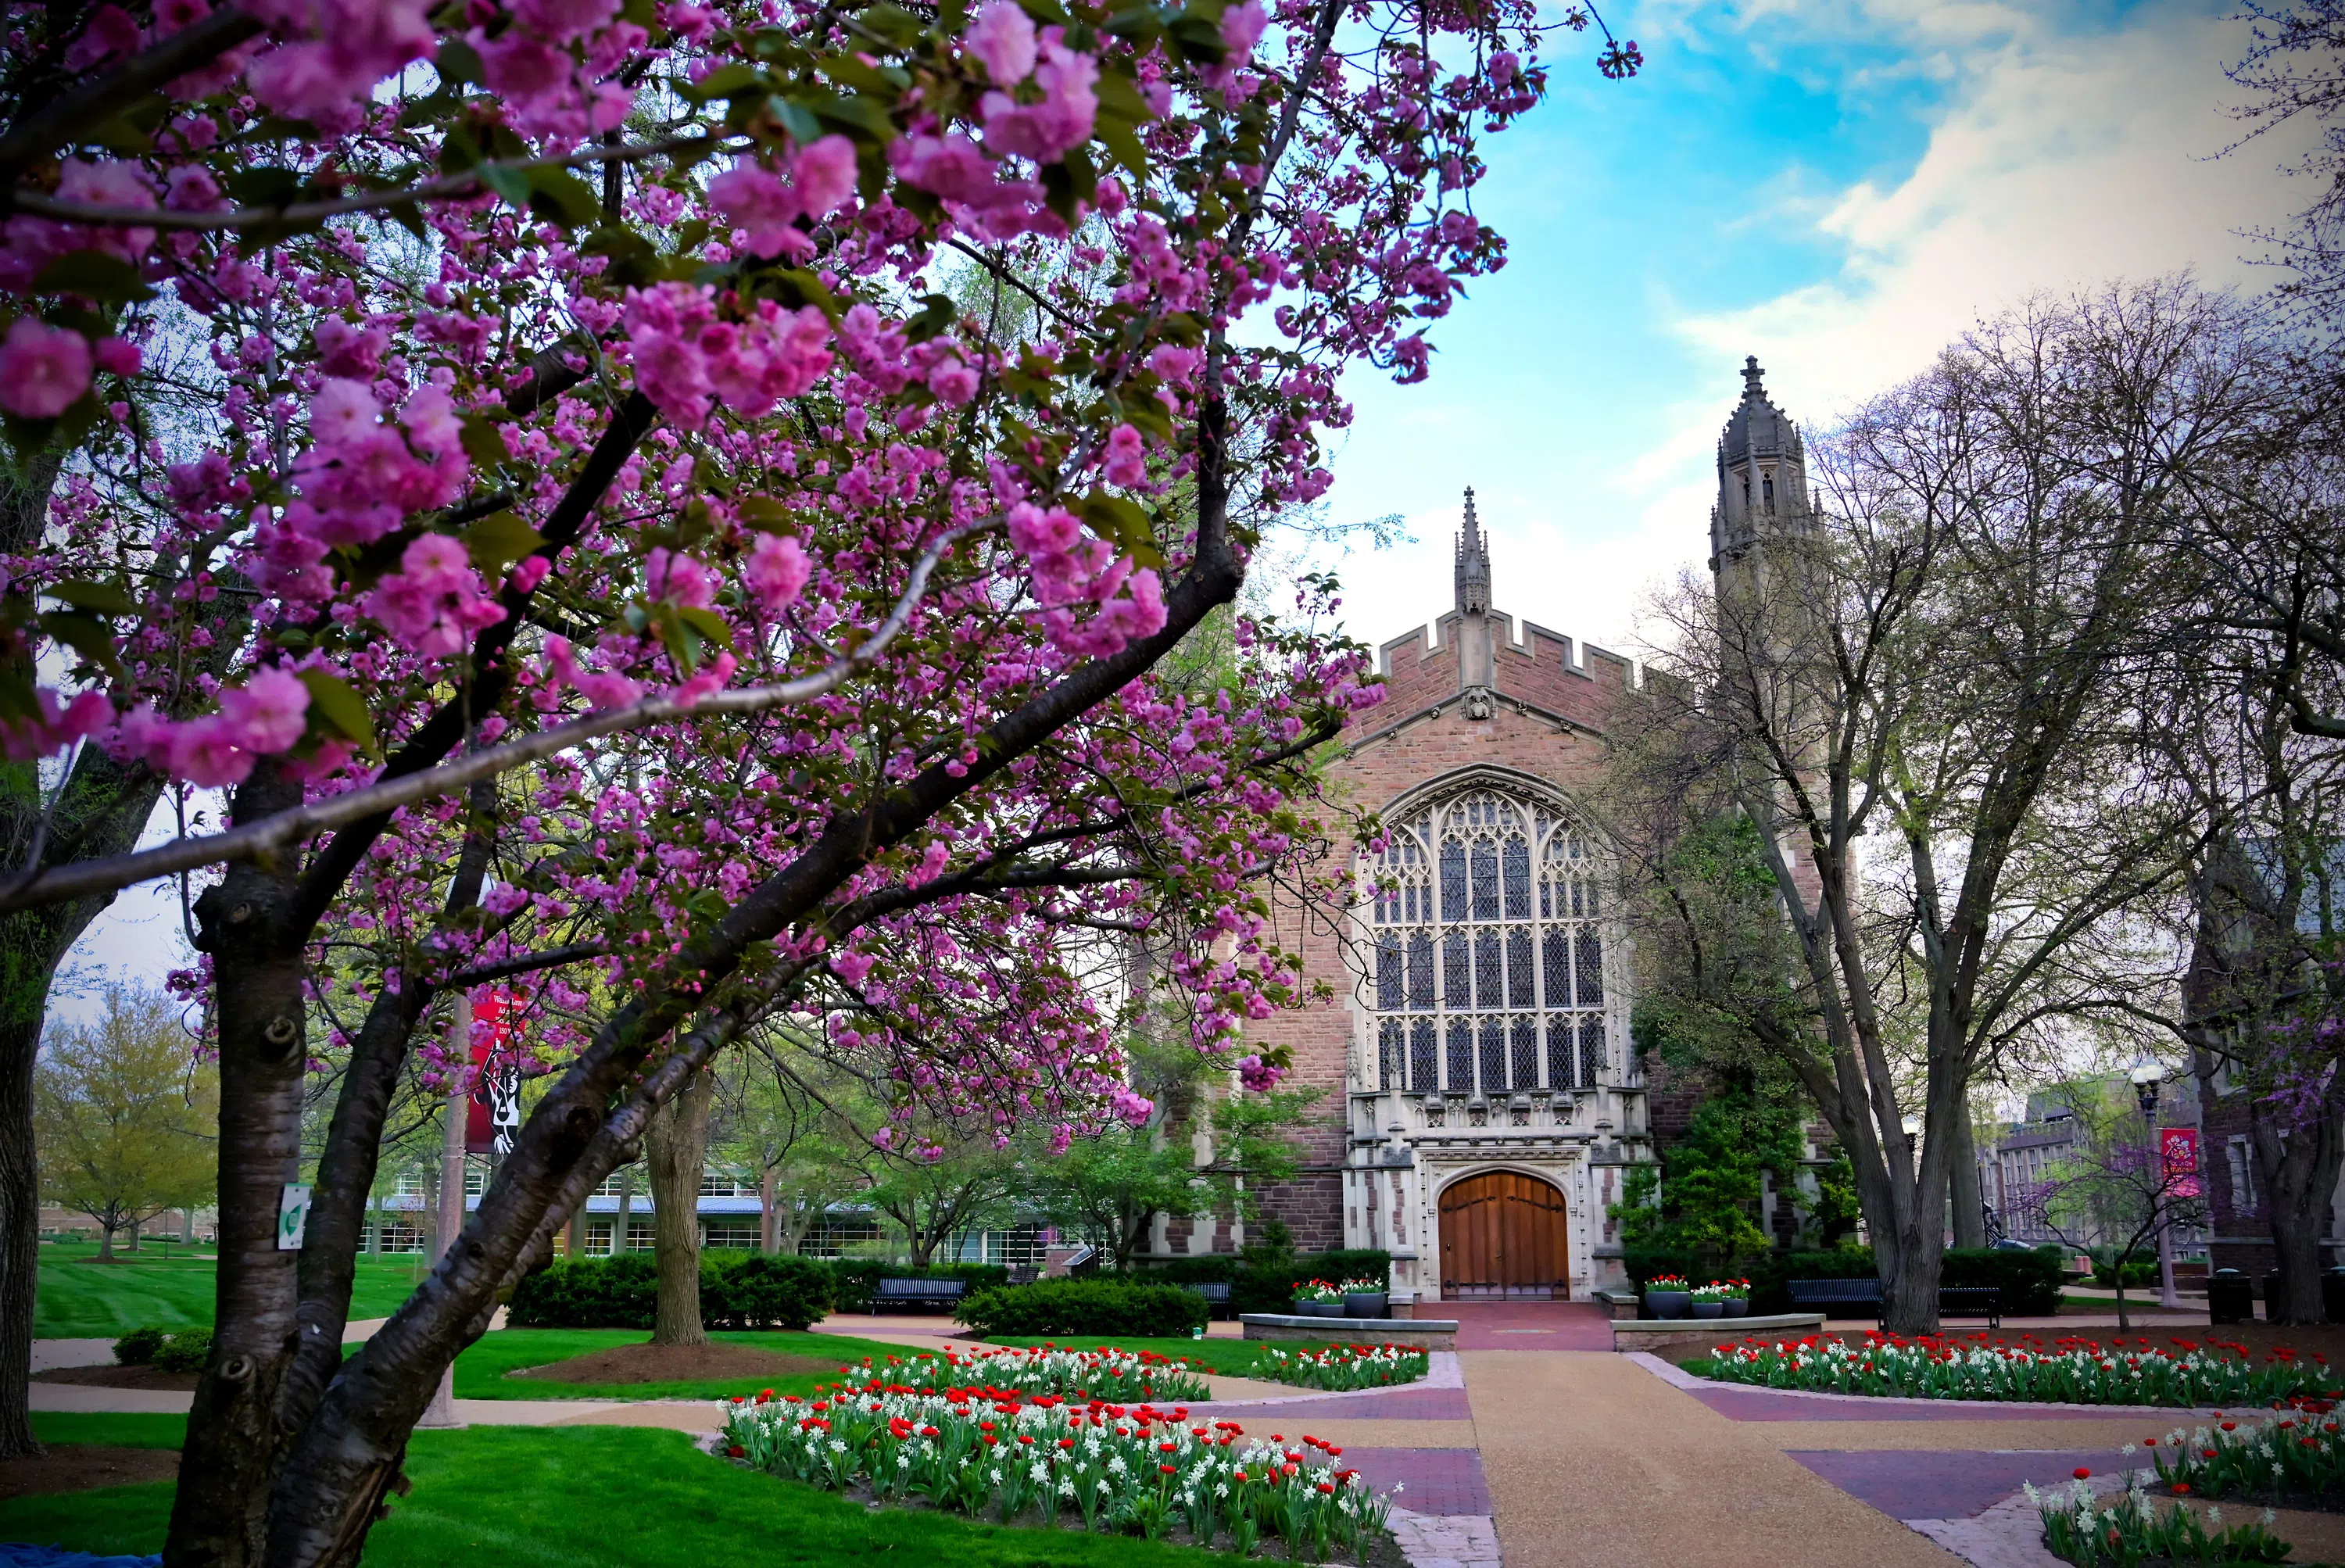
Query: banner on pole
point(494, 1118)
point(2179, 1147)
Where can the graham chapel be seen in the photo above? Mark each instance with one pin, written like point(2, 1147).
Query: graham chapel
point(1477, 1055)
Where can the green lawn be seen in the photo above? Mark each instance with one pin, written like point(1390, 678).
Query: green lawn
point(611, 1497)
point(167, 1288)
point(481, 1371)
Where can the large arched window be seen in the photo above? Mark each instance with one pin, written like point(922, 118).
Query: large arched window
point(1489, 950)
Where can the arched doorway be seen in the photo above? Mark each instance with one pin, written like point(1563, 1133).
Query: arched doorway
point(1502, 1234)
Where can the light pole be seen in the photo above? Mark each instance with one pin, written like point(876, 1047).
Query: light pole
point(2146, 1080)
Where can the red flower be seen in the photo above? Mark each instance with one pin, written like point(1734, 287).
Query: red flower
point(736, 1451)
point(2083, 1470)
point(2181, 1486)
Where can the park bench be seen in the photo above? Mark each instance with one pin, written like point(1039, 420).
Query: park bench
point(1953, 1300)
point(915, 1292)
point(1216, 1293)
point(1024, 1274)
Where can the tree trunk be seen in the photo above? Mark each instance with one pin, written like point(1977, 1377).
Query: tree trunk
point(219, 1514)
point(574, 1235)
point(768, 1232)
point(105, 1242)
point(2300, 1179)
point(624, 1219)
point(2123, 1322)
point(132, 1231)
point(677, 1142)
point(1963, 1181)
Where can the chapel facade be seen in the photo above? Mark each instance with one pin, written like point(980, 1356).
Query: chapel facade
point(1483, 1096)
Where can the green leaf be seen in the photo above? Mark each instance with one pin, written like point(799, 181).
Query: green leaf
point(120, 134)
point(1118, 98)
point(936, 313)
point(482, 442)
point(86, 634)
point(795, 287)
point(264, 187)
point(737, 80)
point(457, 63)
point(1136, 22)
point(1122, 144)
point(765, 514)
point(94, 275)
point(1114, 518)
point(96, 598)
point(708, 903)
point(410, 217)
point(561, 197)
point(709, 625)
point(337, 706)
point(506, 181)
point(796, 119)
point(499, 539)
point(855, 112)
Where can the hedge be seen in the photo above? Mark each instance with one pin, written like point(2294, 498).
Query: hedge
point(737, 1290)
point(186, 1351)
point(2030, 1281)
point(1270, 1288)
point(1112, 1306)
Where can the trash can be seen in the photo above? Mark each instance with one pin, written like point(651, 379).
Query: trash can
point(2229, 1297)
point(2332, 1296)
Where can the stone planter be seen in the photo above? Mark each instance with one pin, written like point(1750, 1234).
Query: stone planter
point(1737, 1306)
point(1329, 1308)
point(1306, 1308)
point(1709, 1309)
point(1364, 1303)
point(1668, 1303)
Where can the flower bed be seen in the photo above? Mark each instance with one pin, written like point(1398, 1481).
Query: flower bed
point(993, 1452)
point(1103, 1374)
point(1344, 1366)
point(2126, 1529)
point(2295, 1458)
point(2068, 1371)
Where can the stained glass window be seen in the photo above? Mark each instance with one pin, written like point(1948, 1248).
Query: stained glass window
point(1508, 896)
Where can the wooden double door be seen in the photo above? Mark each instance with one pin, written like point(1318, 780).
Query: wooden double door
point(1503, 1234)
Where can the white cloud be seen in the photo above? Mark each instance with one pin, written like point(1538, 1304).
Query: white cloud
point(2061, 161)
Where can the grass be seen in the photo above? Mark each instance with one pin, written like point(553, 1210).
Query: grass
point(559, 1497)
point(110, 1431)
point(168, 1288)
point(1229, 1358)
point(481, 1372)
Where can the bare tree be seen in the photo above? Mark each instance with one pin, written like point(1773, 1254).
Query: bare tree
point(2112, 1182)
point(1929, 698)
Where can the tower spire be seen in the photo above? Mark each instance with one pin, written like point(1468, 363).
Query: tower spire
point(1473, 564)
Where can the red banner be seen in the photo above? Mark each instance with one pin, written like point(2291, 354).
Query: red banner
point(2180, 1147)
point(495, 1110)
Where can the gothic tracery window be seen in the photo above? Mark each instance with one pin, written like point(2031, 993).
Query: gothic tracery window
point(1507, 893)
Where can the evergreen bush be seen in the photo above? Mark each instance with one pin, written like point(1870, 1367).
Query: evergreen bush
point(137, 1347)
point(1112, 1306)
point(185, 1352)
point(737, 1290)
point(2030, 1281)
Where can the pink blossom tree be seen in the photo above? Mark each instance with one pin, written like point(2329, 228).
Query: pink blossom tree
point(522, 454)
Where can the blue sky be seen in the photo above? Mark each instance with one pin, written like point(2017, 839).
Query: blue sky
point(1840, 189)
point(1837, 186)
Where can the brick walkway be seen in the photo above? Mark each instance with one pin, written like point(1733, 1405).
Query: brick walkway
point(1526, 1325)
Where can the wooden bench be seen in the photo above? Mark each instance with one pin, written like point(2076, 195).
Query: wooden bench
point(1216, 1293)
point(1953, 1300)
point(915, 1292)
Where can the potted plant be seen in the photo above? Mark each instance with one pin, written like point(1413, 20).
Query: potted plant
point(1737, 1297)
point(1709, 1301)
point(1317, 1299)
point(1668, 1296)
point(1363, 1297)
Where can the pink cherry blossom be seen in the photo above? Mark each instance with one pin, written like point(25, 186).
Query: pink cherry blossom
point(1126, 458)
point(268, 713)
point(1003, 36)
point(44, 370)
point(778, 570)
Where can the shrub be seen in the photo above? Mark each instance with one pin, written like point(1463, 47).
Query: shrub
point(737, 1290)
point(1082, 1306)
point(756, 1290)
point(185, 1352)
point(137, 1347)
point(2030, 1281)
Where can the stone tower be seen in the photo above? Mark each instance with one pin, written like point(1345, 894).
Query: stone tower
point(1762, 476)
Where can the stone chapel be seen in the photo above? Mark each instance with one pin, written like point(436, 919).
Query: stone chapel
point(1482, 1090)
